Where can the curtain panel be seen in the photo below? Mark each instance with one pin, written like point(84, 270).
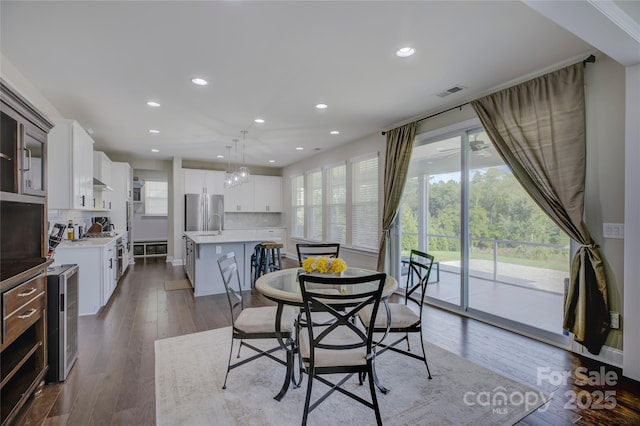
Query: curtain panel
point(538, 128)
point(398, 156)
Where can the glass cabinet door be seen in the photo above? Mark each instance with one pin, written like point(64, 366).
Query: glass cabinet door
point(33, 161)
point(8, 151)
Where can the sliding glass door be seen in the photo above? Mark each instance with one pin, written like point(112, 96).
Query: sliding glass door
point(498, 256)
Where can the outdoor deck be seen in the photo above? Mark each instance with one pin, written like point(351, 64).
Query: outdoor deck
point(528, 295)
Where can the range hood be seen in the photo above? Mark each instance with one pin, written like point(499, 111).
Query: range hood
point(98, 185)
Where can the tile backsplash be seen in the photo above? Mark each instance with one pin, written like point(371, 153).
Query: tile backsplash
point(253, 220)
point(79, 217)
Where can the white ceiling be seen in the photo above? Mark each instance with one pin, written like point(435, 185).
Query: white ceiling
point(99, 62)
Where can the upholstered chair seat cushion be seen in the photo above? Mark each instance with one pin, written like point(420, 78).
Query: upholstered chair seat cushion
point(402, 316)
point(341, 335)
point(262, 320)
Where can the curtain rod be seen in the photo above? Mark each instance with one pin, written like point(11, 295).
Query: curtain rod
point(590, 59)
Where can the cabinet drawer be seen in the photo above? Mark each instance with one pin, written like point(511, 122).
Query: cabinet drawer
point(22, 319)
point(18, 296)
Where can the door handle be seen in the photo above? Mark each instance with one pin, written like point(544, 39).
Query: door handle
point(29, 157)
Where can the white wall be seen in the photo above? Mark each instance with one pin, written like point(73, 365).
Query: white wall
point(631, 359)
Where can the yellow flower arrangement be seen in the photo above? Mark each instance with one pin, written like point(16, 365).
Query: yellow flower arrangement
point(324, 265)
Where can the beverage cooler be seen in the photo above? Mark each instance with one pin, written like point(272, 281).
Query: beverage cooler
point(62, 319)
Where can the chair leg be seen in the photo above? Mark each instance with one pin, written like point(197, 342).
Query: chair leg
point(374, 399)
point(224, 386)
point(307, 400)
point(407, 337)
point(424, 355)
point(239, 347)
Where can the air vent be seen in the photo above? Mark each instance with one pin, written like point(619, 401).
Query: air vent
point(451, 90)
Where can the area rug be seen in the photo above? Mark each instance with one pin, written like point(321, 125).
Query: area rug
point(190, 371)
point(177, 285)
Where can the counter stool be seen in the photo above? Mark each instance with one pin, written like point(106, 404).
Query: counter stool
point(272, 260)
point(266, 258)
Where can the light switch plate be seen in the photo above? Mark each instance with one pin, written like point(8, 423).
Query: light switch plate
point(613, 230)
point(615, 320)
point(218, 249)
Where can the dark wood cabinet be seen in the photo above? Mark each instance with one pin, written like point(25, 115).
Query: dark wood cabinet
point(23, 249)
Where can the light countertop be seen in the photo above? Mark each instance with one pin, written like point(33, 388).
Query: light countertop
point(228, 236)
point(88, 242)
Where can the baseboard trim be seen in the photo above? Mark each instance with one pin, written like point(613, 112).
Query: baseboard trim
point(175, 262)
point(608, 355)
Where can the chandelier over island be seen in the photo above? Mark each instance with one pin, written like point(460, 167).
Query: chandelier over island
point(241, 175)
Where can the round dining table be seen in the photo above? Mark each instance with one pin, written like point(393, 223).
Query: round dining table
point(283, 288)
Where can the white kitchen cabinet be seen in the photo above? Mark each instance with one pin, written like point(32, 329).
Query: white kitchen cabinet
point(109, 274)
point(102, 172)
point(97, 275)
point(240, 198)
point(203, 181)
point(268, 194)
point(70, 167)
point(120, 196)
point(270, 234)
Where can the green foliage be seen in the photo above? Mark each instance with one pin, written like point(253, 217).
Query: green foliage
point(499, 208)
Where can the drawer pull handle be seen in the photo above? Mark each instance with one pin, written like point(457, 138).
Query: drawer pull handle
point(31, 312)
point(28, 293)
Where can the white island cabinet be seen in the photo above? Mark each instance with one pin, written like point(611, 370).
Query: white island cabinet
point(203, 251)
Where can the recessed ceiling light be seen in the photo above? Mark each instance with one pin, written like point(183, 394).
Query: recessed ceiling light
point(334, 132)
point(321, 106)
point(153, 104)
point(299, 148)
point(155, 150)
point(154, 131)
point(259, 120)
point(219, 156)
point(199, 81)
point(404, 52)
point(272, 161)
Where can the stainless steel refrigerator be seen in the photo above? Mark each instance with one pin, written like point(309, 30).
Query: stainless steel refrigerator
point(203, 212)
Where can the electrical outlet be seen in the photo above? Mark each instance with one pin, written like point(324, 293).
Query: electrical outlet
point(613, 230)
point(615, 320)
point(218, 249)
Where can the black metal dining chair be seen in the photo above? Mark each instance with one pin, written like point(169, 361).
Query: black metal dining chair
point(345, 345)
point(406, 317)
point(253, 323)
point(306, 250)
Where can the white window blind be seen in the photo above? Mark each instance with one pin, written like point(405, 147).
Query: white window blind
point(156, 201)
point(297, 208)
point(364, 203)
point(336, 203)
point(314, 205)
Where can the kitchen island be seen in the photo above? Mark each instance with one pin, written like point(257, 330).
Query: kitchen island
point(202, 250)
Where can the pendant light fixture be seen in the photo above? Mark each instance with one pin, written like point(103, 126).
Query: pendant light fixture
point(244, 170)
point(228, 175)
point(241, 175)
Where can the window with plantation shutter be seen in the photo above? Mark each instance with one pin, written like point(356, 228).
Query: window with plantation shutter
point(297, 208)
point(314, 205)
point(336, 203)
point(364, 202)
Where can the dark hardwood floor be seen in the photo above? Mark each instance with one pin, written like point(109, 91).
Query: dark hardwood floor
point(113, 379)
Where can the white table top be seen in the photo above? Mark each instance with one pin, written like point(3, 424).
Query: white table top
point(282, 286)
